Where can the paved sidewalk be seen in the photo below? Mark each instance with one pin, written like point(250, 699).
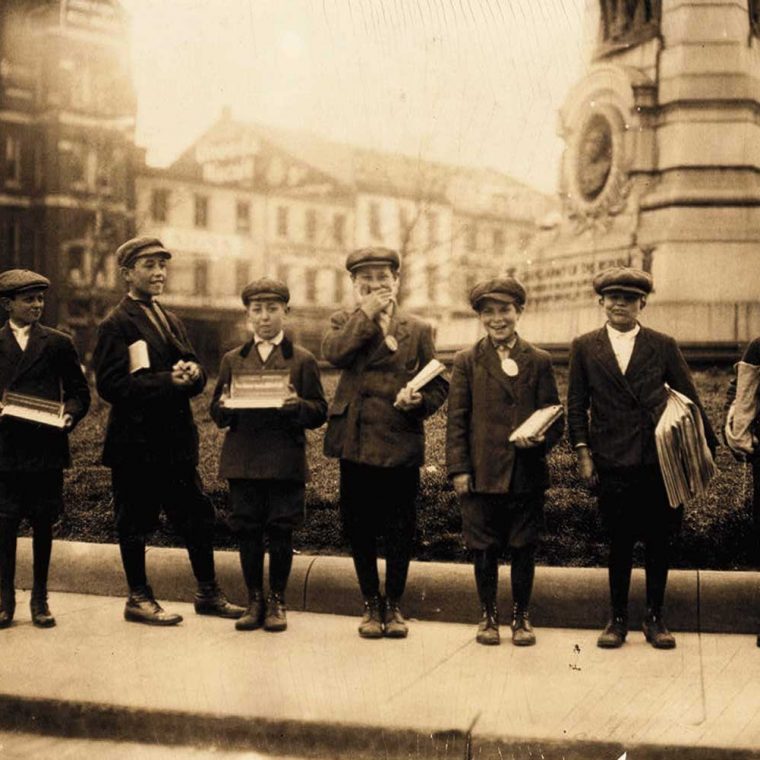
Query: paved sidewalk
point(319, 690)
point(26, 746)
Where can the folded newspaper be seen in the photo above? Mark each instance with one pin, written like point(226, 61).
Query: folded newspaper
point(538, 422)
point(685, 460)
point(33, 409)
point(266, 389)
point(429, 372)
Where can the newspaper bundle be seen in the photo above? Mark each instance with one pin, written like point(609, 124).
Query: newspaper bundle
point(685, 460)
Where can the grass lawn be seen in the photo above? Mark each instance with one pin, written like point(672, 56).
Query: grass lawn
point(717, 528)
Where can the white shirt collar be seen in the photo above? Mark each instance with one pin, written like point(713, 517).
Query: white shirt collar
point(19, 329)
point(620, 335)
point(274, 341)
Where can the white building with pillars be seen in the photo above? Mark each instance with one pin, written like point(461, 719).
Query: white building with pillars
point(247, 200)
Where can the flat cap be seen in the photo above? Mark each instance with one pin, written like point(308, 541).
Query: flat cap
point(363, 257)
point(127, 253)
point(504, 289)
point(265, 289)
point(18, 280)
point(623, 279)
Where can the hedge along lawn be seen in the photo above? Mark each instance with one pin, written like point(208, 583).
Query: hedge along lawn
point(717, 531)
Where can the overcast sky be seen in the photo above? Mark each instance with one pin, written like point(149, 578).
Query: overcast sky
point(473, 82)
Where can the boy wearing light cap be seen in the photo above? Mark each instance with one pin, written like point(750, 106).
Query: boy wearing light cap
point(147, 370)
point(38, 362)
point(376, 428)
point(496, 385)
point(264, 451)
point(615, 398)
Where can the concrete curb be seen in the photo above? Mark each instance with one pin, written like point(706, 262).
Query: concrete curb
point(329, 741)
point(564, 597)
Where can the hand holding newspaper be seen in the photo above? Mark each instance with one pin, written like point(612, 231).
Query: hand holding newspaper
point(538, 423)
point(430, 371)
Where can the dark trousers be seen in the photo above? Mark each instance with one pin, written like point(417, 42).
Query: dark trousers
point(756, 503)
point(37, 497)
point(379, 502)
point(42, 545)
point(634, 507)
point(140, 494)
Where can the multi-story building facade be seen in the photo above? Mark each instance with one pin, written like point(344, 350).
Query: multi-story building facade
point(67, 111)
point(247, 200)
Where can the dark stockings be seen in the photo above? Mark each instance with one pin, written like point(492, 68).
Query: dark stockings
point(523, 570)
point(42, 546)
point(280, 559)
point(486, 564)
point(133, 558)
point(8, 530)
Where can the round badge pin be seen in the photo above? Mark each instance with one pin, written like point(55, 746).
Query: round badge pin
point(510, 367)
point(391, 343)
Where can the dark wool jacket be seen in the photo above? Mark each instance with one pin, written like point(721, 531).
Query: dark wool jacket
point(151, 420)
point(49, 368)
point(363, 425)
point(485, 406)
point(624, 409)
point(269, 443)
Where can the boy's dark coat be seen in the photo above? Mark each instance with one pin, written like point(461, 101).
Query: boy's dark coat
point(269, 443)
point(363, 425)
point(49, 368)
point(485, 406)
point(624, 409)
point(151, 420)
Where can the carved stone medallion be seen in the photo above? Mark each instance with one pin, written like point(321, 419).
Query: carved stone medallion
point(594, 157)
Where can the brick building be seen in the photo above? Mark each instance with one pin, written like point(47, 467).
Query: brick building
point(67, 154)
point(246, 200)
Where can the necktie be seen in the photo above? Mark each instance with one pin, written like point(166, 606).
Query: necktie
point(158, 320)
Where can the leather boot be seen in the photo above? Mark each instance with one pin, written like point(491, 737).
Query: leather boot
point(7, 606)
point(656, 632)
point(41, 616)
point(253, 617)
point(371, 626)
point(209, 600)
point(614, 633)
point(393, 619)
point(275, 619)
point(522, 630)
point(141, 607)
point(488, 628)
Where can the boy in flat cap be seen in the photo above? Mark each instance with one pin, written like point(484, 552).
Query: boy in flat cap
point(496, 385)
point(264, 451)
point(375, 427)
point(617, 378)
point(40, 362)
point(147, 370)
